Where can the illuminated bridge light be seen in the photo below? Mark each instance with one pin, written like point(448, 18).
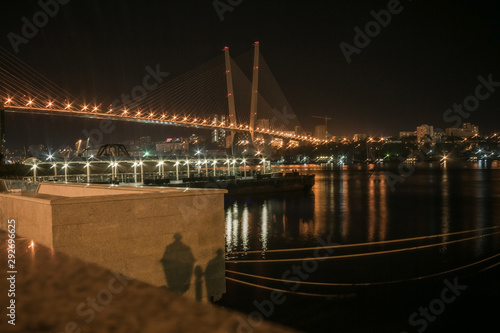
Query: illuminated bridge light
point(8, 100)
point(84, 108)
point(67, 106)
point(49, 105)
point(29, 102)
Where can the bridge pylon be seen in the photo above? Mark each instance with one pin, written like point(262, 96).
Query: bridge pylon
point(255, 90)
point(230, 96)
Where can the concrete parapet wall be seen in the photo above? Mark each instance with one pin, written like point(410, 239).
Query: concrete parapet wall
point(162, 236)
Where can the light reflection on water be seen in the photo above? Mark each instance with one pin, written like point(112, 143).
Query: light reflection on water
point(355, 205)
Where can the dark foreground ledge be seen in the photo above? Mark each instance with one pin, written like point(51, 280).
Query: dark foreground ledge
point(56, 293)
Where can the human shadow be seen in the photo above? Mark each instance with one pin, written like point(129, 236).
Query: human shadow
point(198, 282)
point(215, 276)
point(178, 262)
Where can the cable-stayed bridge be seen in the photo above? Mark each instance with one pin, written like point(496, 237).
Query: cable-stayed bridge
point(250, 106)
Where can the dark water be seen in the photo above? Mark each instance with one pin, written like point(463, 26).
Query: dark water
point(362, 209)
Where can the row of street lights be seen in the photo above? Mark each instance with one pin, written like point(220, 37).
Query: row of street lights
point(231, 167)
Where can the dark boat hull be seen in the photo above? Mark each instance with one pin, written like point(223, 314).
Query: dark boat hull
point(253, 186)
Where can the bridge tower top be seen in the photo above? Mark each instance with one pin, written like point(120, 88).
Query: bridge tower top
point(230, 89)
point(255, 89)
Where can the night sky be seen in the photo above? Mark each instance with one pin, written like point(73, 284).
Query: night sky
point(427, 58)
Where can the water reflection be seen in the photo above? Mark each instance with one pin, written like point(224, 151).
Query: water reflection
point(244, 228)
point(357, 206)
point(263, 225)
point(481, 207)
point(445, 209)
point(344, 203)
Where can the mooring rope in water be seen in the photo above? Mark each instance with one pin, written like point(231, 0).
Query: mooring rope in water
point(330, 284)
point(292, 292)
point(363, 244)
point(354, 255)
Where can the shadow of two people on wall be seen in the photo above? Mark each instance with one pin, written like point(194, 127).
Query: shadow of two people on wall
point(178, 263)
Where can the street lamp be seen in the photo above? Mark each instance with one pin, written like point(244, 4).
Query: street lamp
point(88, 171)
point(187, 163)
point(55, 170)
point(161, 169)
point(135, 172)
point(65, 167)
point(228, 166)
point(264, 164)
point(244, 168)
point(34, 171)
point(214, 163)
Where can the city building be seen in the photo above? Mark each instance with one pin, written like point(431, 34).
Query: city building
point(263, 123)
point(407, 133)
point(218, 135)
point(425, 130)
point(466, 131)
point(170, 145)
point(320, 132)
point(359, 137)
